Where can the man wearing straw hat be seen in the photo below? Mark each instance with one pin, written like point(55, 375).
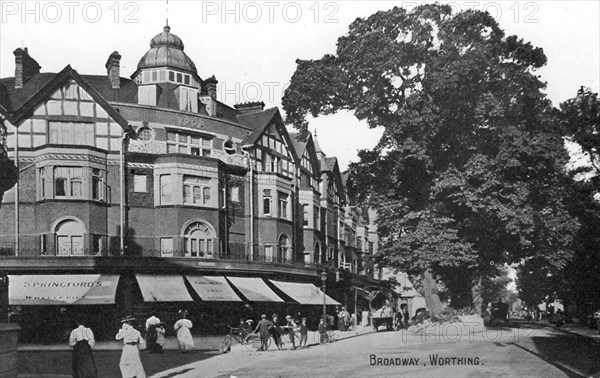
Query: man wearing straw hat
point(130, 364)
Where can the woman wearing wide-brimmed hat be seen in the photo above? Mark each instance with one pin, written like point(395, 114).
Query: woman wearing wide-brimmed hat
point(130, 364)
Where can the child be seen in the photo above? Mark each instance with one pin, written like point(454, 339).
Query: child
point(322, 331)
point(303, 333)
point(160, 337)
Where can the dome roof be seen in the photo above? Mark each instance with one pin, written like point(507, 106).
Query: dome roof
point(166, 50)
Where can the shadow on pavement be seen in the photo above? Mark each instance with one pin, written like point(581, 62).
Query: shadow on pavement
point(576, 356)
point(107, 361)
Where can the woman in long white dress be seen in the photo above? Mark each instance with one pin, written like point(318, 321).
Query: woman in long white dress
point(184, 336)
point(130, 364)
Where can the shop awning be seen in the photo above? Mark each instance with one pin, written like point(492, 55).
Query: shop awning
point(157, 288)
point(215, 289)
point(59, 289)
point(304, 293)
point(255, 289)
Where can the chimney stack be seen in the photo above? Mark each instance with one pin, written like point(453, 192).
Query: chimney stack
point(113, 69)
point(25, 67)
point(211, 86)
point(250, 107)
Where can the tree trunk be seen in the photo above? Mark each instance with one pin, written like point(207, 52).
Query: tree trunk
point(431, 295)
point(477, 295)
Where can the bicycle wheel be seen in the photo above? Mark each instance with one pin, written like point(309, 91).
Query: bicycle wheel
point(252, 343)
point(226, 344)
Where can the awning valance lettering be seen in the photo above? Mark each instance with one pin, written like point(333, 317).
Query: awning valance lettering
point(255, 289)
point(58, 289)
point(304, 293)
point(215, 289)
point(163, 288)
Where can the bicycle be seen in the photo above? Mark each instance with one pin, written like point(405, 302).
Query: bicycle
point(250, 340)
point(286, 337)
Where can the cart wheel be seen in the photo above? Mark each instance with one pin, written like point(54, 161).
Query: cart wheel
point(226, 344)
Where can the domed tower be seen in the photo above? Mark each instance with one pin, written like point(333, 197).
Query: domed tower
point(166, 76)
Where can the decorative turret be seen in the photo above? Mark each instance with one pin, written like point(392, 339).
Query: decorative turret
point(166, 50)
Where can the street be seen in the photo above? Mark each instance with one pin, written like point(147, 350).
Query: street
point(518, 351)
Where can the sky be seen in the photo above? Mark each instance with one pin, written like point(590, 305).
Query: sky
point(251, 46)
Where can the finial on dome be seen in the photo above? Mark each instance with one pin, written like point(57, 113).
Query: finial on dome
point(167, 28)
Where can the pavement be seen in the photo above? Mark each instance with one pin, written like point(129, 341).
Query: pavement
point(573, 328)
point(202, 343)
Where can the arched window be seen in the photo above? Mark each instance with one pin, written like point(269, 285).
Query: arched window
point(199, 240)
point(69, 238)
point(285, 248)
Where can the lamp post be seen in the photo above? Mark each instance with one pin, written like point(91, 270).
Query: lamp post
point(324, 279)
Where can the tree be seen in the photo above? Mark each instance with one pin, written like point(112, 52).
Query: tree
point(8, 170)
point(468, 174)
point(580, 281)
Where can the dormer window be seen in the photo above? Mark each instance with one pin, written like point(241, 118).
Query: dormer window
point(147, 95)
point(188, 99)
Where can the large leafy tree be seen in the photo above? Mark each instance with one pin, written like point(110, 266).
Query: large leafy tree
point(580, 280)
point(469, 174)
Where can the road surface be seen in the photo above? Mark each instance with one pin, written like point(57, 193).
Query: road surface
point(445, 351)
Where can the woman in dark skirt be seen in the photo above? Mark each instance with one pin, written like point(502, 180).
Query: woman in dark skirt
point(82, 340)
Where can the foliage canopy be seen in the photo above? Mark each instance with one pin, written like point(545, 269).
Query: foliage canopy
point(469, 173)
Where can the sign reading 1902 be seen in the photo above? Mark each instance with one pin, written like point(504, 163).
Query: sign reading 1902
point(183, 120)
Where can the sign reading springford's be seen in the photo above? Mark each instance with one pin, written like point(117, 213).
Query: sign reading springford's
point(56, 289)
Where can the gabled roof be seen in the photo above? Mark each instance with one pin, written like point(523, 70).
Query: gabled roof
point(299, 145)
point(259, 121)
point(12, 98)
point(302, 146)
point(331, 166)
point(34, 93)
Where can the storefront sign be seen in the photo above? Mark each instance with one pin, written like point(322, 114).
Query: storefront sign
point(74, 289)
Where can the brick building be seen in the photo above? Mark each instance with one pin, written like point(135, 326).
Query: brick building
point(162, 197)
